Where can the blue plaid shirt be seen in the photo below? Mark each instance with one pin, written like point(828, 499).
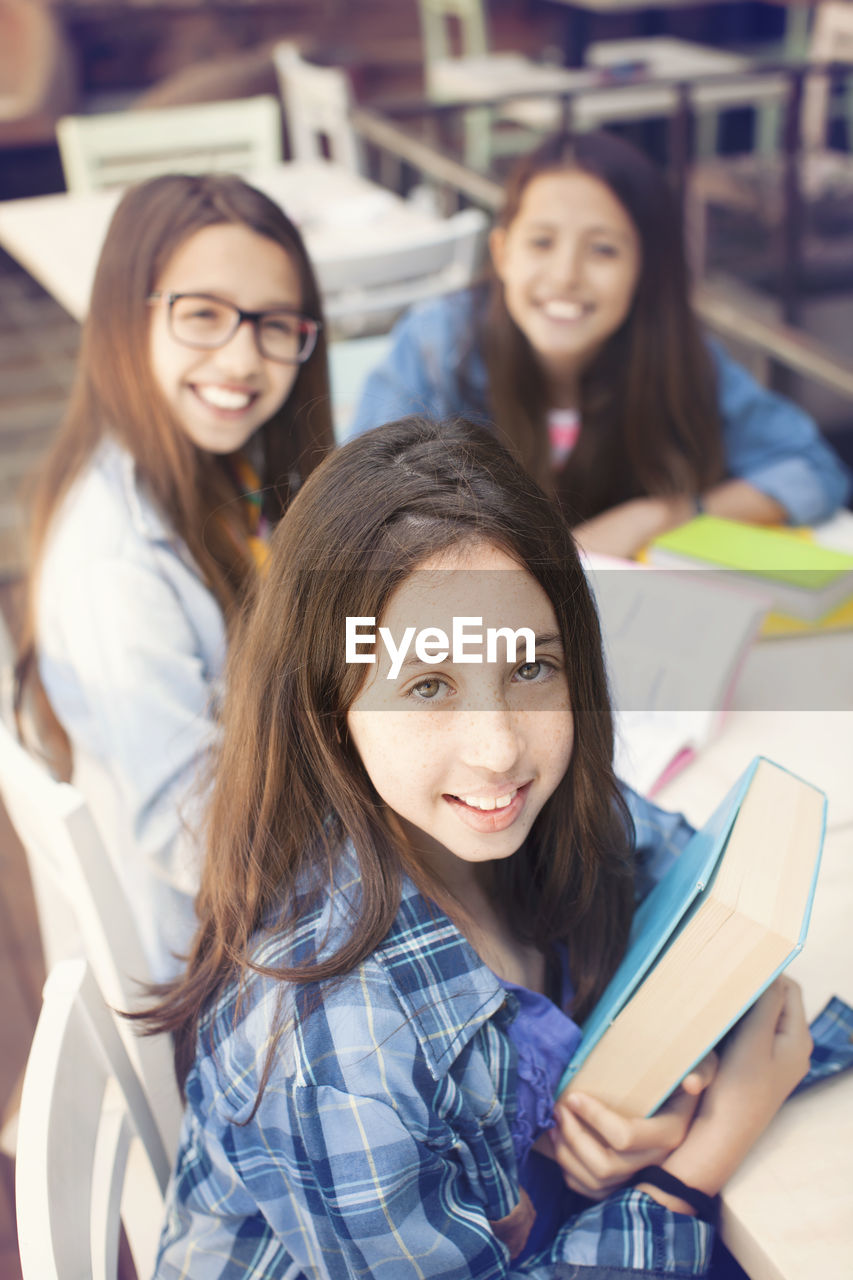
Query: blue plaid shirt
point(382, 1143)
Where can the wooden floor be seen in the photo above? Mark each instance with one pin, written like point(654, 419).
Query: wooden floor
point(21, 980)
point(38, 346)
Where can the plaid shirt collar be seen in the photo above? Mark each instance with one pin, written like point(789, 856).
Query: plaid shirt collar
point(443, 986)
point(425, 956)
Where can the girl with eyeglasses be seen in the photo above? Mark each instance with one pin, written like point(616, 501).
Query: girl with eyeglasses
point(200, 404)
point(584, 352)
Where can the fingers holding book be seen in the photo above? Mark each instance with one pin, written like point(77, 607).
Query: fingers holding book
point(599, 1149)
point(767, 1053)
point(764, 1059)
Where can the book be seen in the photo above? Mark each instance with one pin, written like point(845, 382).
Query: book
point(784, 624)
point(724, 921)
point(837, 533)
point(674, 646)
point(798, 576)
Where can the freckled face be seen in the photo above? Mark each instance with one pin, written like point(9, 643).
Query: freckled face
point(569, 263)
point(220, 397)
point(467, 754)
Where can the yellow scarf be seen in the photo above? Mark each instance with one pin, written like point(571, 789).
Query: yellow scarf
point(249, 483)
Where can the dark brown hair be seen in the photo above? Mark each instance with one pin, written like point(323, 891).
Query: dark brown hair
point(648, 398)
point(289, 787)
point(115, 394)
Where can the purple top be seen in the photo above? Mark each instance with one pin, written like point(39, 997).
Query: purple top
point(545, 1039)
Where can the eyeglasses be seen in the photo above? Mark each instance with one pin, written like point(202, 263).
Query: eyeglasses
point(205, 322)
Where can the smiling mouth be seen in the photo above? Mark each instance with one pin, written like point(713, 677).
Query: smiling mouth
point(487, 803)
point(558, 309)
point(226, 398)
point(489, 814)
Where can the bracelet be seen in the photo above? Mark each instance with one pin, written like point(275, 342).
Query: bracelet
point(707, 1207)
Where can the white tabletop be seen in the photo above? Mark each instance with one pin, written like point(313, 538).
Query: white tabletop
point(667, 58)
point(58, 238)
point(596, 101)
point(626, 6)
point(788, 1212)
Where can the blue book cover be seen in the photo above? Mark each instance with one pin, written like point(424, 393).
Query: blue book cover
point(665, 911)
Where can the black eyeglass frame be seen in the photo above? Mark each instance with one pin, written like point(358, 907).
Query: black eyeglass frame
point(255, 318)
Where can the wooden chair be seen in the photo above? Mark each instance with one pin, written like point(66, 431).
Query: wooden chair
point(753, 184)
point(115, 148)
point(477, 71)
point(82, 907)
point(317, 105)
point(90, 1154)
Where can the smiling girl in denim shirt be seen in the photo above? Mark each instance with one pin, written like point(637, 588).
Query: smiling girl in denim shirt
point(415, 885)
point(585, 354)
point(200, 403)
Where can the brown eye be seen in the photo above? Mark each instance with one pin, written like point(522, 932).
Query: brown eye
point(428, 689)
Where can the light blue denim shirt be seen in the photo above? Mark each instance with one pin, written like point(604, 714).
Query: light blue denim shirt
point(131, 646)
point(434, 368)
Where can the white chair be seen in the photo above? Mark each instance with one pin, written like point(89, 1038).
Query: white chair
point(831, 41)
point(754, 183)
point(115, 148)
point(476, 72)
point(317, 105)
point(440, 258)
point(82, 906)
point(90, 1156)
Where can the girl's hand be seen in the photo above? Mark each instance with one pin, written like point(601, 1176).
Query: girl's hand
point(598, 1149)
point(626, 529)
point(765, 1059)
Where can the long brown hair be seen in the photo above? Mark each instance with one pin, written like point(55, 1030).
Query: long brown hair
point(289, 787)
point(115, 394)
point(650, 423)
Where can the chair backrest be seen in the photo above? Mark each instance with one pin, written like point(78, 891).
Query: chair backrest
point(831, 41)
point(439, 260)
point(90, 1155)
point(115, 148)
point(317, 105)
point(437, 17)
point(83, 906)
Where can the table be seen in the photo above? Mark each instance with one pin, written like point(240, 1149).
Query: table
point(667, 58)
point(57, 238)
point(788, 1212)
point(600, 99)
point(578, 12)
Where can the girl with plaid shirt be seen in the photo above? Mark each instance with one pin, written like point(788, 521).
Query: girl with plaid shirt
point(420, 875)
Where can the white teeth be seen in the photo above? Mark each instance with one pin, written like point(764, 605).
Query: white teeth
point(558, 309)
point(499, 802)
point(224, 397)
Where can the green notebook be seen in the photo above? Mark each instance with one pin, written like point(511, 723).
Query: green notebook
point(798, 576)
